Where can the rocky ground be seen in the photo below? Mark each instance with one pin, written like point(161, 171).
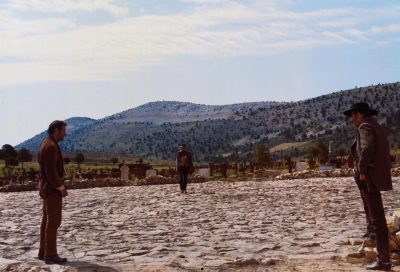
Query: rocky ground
point(285, 225)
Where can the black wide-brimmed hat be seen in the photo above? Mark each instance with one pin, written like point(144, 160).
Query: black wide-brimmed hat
point(360, 107)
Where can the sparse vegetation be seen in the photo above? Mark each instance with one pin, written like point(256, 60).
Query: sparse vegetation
point(9, 155)
point(154, 130)
point(79, 158)
point(24, 156)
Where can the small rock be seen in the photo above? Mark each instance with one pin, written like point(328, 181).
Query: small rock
point(247, 262)
point(396, 222)
point(393, 245)
point(355, 241)
point(392, 228)
point(370, 253)
point(138, 252)
point(396, 213)
point(356, 255)
point(336, 258)
point(35, 269)
point(215, 263)
point(343, 242)
point(395, 256)
point(311, 245)
point(99, 253)
point(79, 255)
point(355, 258)
point(395, 238)
point(368, 243)
point(270, 262)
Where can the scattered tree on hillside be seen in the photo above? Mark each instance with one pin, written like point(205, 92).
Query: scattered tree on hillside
point(11, 162)
point(323, 154)
point(67, 160)
point(114, 160)
point(342, 154)
point(79, 158)
point(289, 163)
point(24, 156)
point(218, 159)
point(261, 155)
point(320, 150)
point(233, 157)
point(312, 151)
point(9, 155)
point(282, 122)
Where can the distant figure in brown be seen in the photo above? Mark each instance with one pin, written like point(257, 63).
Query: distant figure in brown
point(51, 190)
point(184, 164)
point(371, 152)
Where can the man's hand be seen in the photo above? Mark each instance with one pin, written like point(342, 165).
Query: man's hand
point(363, 177)
point(64, 193)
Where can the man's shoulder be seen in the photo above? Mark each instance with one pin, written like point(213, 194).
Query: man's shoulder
point(183, 153)
point(47, 144)
point(370, 124)
point(372, 127)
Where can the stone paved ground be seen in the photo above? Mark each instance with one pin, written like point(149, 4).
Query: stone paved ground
point(286, 225)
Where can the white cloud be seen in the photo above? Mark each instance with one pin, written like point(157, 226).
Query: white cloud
point(57, 49)
point(202, 2)
point(11, 27)
point(392, 28)
point(60, 6)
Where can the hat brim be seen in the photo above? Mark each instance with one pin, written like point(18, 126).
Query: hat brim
point(371, 111)
point(348, 113)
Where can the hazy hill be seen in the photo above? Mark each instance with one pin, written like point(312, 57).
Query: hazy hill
point(155, 129)
point(74, 124)
point(178, 112)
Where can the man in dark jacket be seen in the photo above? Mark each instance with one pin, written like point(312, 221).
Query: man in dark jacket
point(51, 190)
point(184, 165)
point(372, 155)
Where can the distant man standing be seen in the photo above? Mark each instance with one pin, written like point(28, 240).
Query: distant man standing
point(372, 155)
point(51, 190)
point(184, 164)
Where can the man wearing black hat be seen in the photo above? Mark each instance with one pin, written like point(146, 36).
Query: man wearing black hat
point(372, 155)
point(184, 164)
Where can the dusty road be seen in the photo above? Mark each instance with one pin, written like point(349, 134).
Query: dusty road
point(289, 225)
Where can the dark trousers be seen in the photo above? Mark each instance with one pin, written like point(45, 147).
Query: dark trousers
point(183, 177)
point(370, 228)
point(51, 221)
point(377, 219)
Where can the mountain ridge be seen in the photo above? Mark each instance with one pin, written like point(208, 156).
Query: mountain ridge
point(159, 112)
point(155, 129)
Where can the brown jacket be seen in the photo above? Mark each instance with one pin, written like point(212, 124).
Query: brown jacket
point(51, 166)
point(184, 159)
point(372, 153)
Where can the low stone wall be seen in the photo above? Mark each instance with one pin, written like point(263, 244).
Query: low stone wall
point(106, 182)
point(330, 173)
point(28, 186)
point(396, 172)
point(75, 184)
point(93, 183)
point(160, 180)
point(316, 174)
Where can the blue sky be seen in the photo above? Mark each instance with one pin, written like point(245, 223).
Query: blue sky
point(60, 59)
